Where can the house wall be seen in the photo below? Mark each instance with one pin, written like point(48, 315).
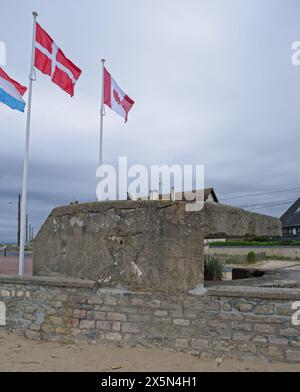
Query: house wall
point(235, 322)
point(210, 198)
point(291, 232)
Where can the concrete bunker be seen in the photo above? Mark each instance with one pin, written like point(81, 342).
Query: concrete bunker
point(139, 245)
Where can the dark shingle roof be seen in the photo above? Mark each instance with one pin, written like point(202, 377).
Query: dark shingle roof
point(292, 216)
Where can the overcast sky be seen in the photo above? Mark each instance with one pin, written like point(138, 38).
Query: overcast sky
point(213, 84)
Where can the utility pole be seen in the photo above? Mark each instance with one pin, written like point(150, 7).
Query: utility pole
point(19, 218)
point(26, 230)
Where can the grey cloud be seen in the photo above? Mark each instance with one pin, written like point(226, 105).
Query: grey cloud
point(213, 84)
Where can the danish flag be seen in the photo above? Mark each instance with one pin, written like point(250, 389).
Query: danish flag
point(50, 60)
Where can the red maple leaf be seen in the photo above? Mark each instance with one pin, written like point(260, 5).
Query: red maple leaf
point(117, 98)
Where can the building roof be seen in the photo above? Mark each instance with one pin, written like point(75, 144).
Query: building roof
point(208, 193)
point(292, 216)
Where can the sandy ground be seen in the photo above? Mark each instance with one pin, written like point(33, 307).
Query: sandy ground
point(19, 354)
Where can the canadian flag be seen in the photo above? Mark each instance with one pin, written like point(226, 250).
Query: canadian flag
point(50, 60)
point(115, 98)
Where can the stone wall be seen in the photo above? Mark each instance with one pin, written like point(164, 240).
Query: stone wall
point(229, 321)
point(144, 245)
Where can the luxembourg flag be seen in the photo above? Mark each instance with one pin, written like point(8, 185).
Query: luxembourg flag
point(11, 92)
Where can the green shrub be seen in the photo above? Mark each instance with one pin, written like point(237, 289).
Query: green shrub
point(213, 268)
point(261, 239)
point(256, 243)
point(242, 243)
point(251, 258)
point(286, 242)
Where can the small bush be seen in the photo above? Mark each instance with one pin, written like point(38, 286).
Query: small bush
point(213, 268)
point(287, 242)
point(255, 243)
point(261, 239)
point(251, 258)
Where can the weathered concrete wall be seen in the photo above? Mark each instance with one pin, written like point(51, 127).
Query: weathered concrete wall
point(229, 321)
point(145, 245)
point(150, 245)
point(222, 220)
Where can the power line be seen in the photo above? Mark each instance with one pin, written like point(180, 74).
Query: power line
point(269, 206)
point(266, 204)
point(261, 194)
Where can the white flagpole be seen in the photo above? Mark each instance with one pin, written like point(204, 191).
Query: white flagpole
point(26, 153)
point(102, 114)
